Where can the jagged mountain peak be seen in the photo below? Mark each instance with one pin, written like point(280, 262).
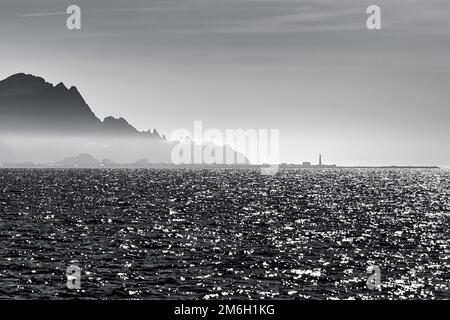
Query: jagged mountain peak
point(74, 89)
point(115, 120)
point(118, 126)
point(28, 103)
point(156, 133)
point(61, 86)
point(21, 83)
point(25, 80)
point(23, 77)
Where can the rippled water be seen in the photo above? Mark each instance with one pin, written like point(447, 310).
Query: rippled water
point(224, 233)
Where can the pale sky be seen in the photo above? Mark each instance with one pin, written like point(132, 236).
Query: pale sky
point(308, 68)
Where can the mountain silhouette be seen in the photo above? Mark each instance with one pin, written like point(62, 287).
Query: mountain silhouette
point(42, 122)
point(83, 160)
point(30, 104)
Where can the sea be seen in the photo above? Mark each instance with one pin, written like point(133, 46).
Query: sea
point(225, 233)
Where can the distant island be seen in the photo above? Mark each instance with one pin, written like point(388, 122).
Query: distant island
point(41, 122)
point(87, 161)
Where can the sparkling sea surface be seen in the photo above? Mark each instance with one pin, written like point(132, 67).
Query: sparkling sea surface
point(225, 233)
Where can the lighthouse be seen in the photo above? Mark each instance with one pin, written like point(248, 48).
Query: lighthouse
point(320, 159)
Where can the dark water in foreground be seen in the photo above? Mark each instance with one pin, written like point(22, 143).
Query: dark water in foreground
point(225, 233)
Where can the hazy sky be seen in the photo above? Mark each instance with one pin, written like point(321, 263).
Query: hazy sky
point(309, 68)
